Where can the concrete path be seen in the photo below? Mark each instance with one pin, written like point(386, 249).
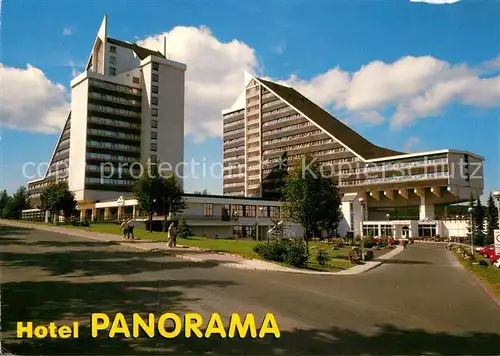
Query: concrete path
point(199, 255)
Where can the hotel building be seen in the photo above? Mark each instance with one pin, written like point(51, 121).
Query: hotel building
point(271, 126)
point(126, 107)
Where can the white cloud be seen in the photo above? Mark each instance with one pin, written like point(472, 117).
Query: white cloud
point(67, 31)
point(412, 87)
point(437, 2)
point(410, 143)
point(31, 102)
point(415, 87)
point(214, 77)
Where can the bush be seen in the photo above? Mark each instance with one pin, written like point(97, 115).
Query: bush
point(322, 257)
point(369, 242)
point(338, 242)
point(274, 251)
point(290, 252)
point(295, 254)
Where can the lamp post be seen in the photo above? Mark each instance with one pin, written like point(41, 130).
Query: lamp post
point(362, 242)
point(235, 218)
point(388, 216)
point(471, 212)
point(496, 195)
point(120, 202)
point(259, 211)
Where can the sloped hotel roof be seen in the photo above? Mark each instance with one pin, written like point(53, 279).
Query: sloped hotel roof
point(333, 126)
point(140, 51)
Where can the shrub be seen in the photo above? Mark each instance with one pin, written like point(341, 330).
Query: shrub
point(290, 252)
point(338, 242)
point(85, 223)
point(295, 254)
point(274, 251)
point(322, 257)
point(369, 242)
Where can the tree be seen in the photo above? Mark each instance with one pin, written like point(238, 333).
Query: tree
point(172, 200)
point(57, 197)
point(183, 230)
point(147, 190)
point(330, 207)
point(203, 192)
point(478, 223)
point(309, 198)
point(491, 220)
point(13, 206)
point(4, 200)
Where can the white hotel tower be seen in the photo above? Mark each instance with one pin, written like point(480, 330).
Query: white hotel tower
point(126, 107)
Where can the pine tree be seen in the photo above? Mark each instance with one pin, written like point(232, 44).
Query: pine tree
point(491, 220)
point(479, 223)
point(183, 230)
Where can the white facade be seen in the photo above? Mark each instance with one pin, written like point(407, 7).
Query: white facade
point(127, 108)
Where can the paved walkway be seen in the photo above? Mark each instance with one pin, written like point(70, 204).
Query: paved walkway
point(198, 255)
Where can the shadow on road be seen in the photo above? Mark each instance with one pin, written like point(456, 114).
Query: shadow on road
point(405, 262)
point(387, 340)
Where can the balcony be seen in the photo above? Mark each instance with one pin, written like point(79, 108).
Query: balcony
point(387, 167)
point(114, 99)
point(110, 110)
point(115, 87)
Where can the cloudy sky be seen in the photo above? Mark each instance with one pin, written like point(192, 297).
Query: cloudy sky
point(408, 75)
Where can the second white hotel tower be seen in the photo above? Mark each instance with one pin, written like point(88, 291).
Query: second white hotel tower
point(127, 107)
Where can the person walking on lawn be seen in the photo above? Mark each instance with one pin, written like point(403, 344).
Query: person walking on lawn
point(125, 229)
point(172, 232)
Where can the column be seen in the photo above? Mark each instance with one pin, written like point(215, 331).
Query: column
point(106, 214)
point(426, 209)
point(133, 211)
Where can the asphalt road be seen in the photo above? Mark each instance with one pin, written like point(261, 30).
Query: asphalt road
point(422, 302)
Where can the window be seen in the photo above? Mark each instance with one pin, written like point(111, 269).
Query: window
point(155, 66)
point(112, 49)
point(250, 210)
point(154, 77)
point(154, 158)
point(112, 70)
point(135, 80)
point(154, 100)
point(208, 209)
point(154, 112)
point(154, 135)
point(154, 124)
point(154, 146)
point(154, 89)
point(112, 59)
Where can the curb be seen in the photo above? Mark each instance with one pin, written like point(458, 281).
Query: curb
point(481, 284)
point(72, 232)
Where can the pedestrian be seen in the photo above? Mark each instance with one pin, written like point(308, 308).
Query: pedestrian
point(172, 232)
point(131, 229)
point(124, 227)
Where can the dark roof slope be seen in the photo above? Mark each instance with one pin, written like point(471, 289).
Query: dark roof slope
point(342, 132)
point(140, 51)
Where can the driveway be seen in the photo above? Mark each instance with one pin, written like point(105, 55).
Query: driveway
point(421, 302)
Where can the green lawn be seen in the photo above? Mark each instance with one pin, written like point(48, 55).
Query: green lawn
point(490, 275)
point(338, 261)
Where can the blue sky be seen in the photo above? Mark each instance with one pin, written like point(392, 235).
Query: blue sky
point(353, 57)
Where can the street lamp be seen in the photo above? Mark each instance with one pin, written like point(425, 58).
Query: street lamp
point(120, 202)
point(388, 216)
point(259, 211)
point(496, 195)
point(362, 242)
point(471, 212)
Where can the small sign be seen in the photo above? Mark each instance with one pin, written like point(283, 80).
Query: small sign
point(496, 234)
point(427, 221)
